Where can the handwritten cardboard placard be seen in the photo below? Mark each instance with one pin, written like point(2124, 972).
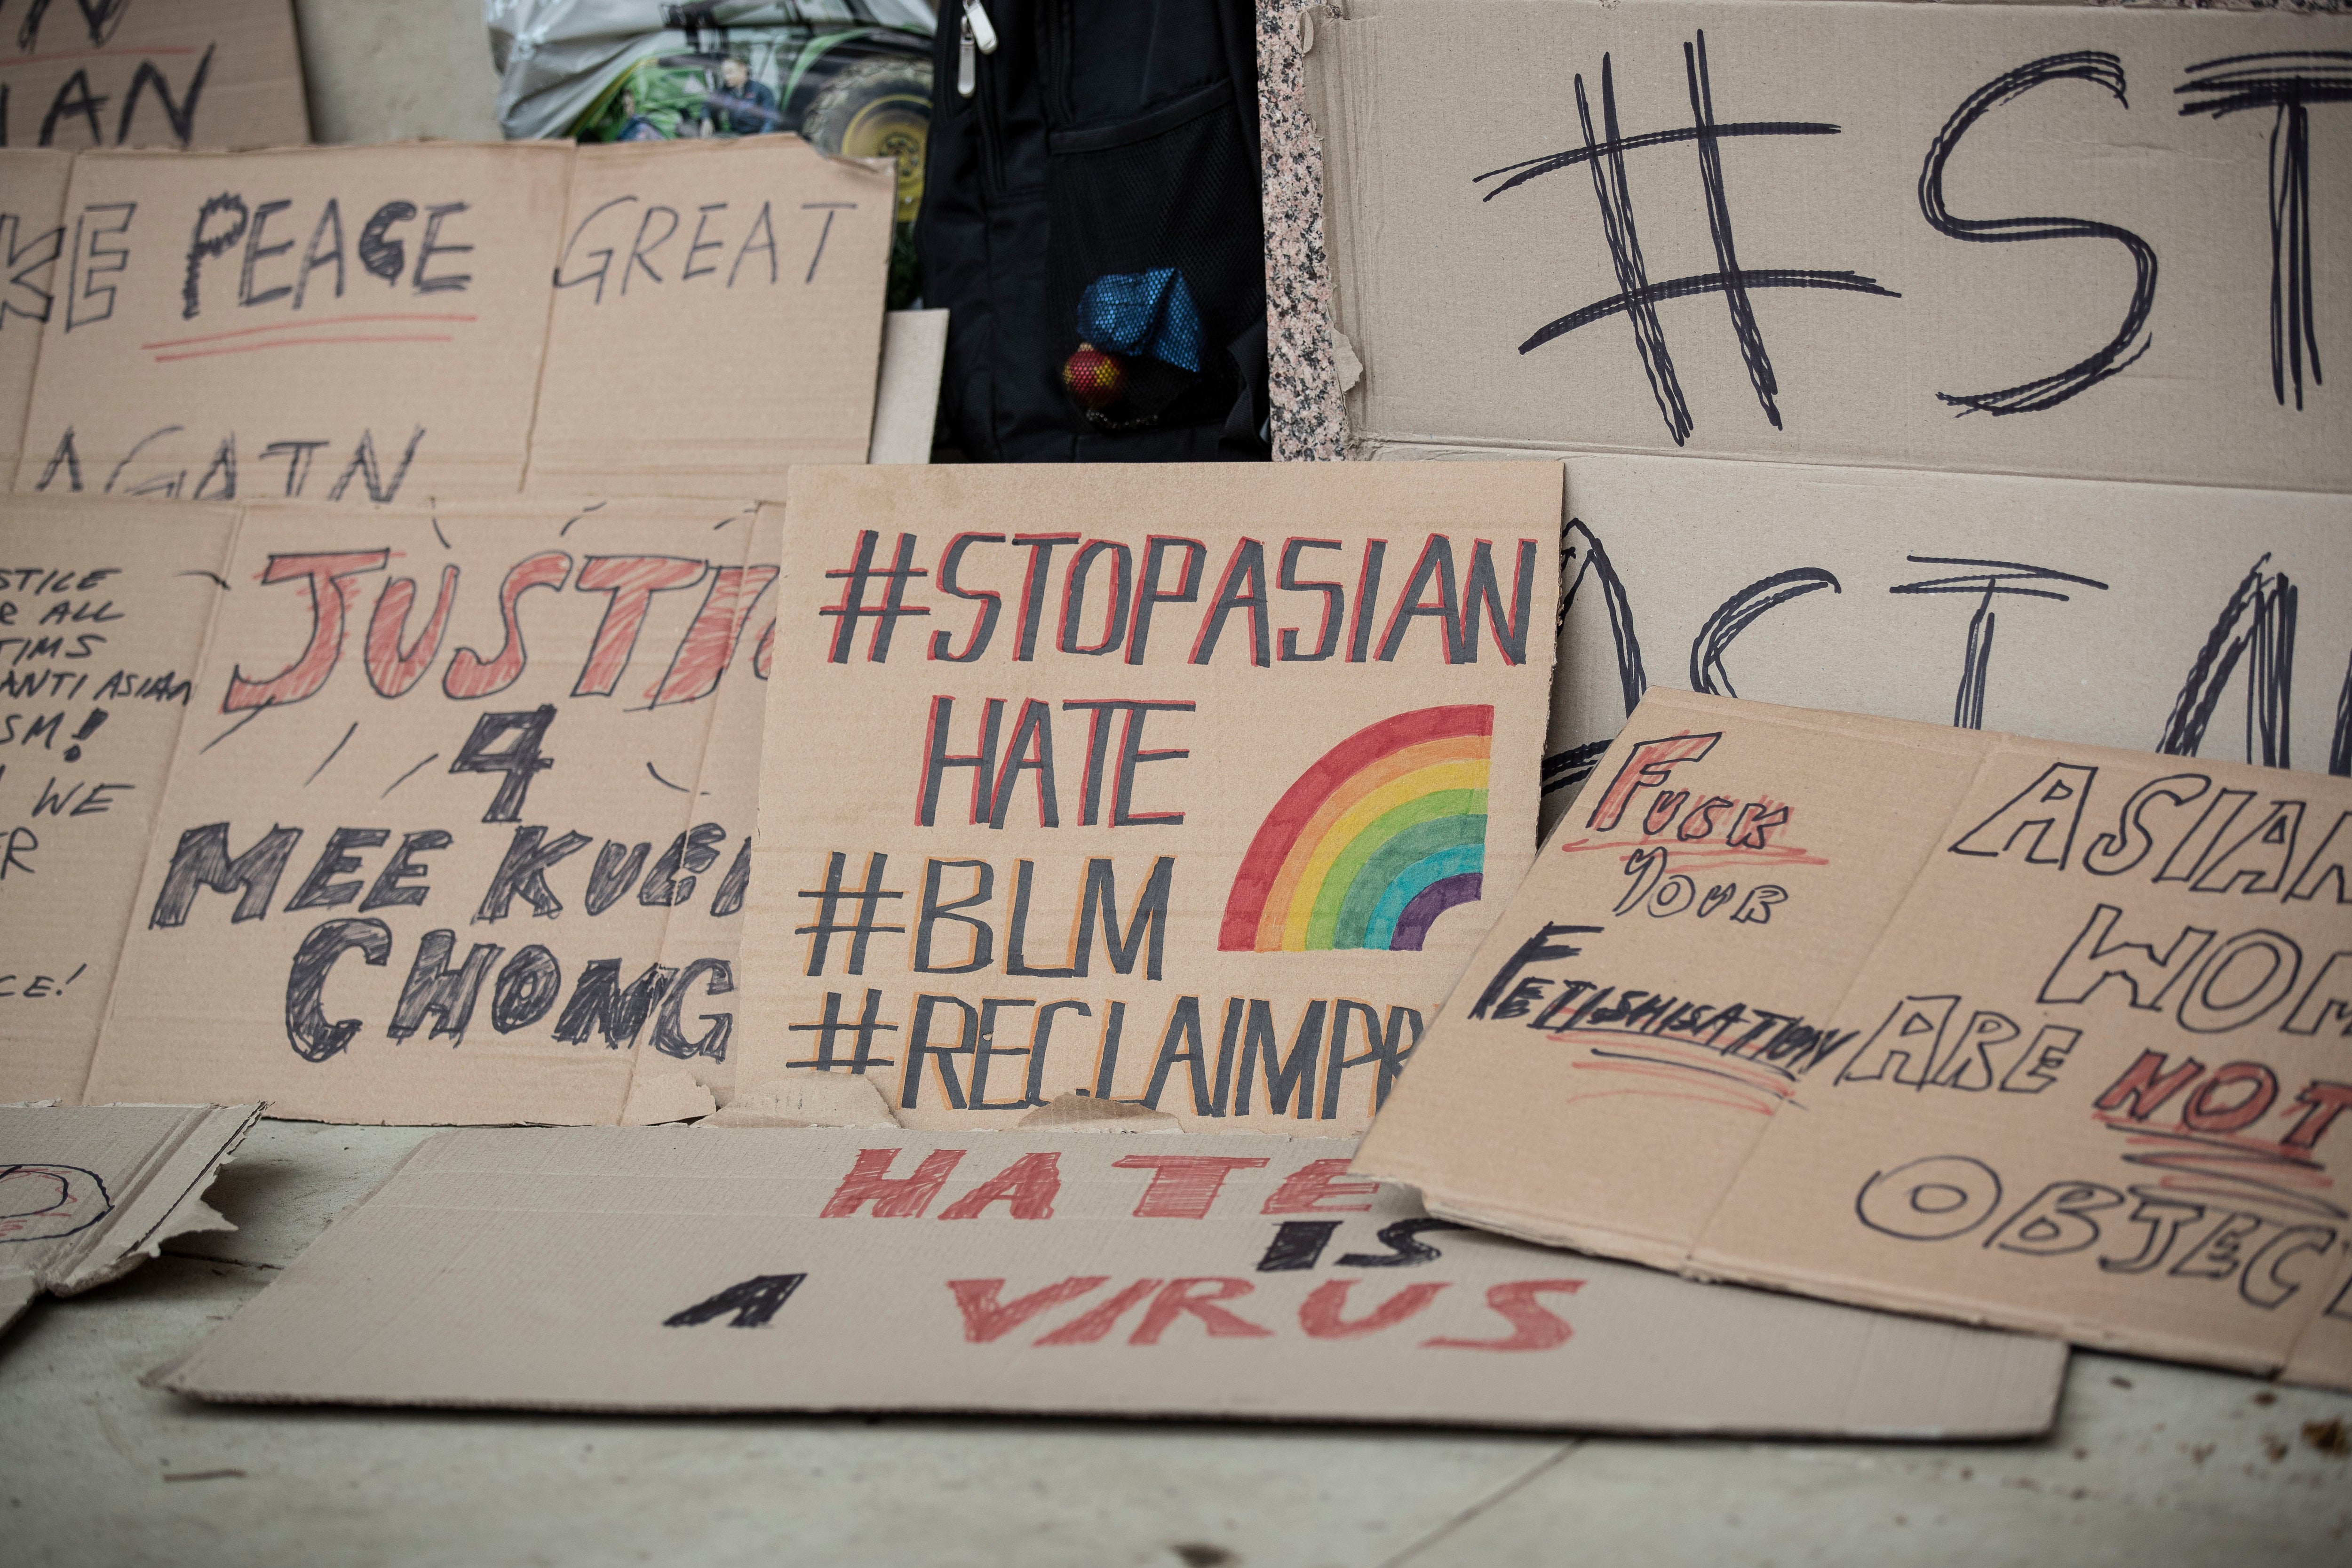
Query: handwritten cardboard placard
point(32, 199)
point(1958, 1022)
point(1188, 785)
point(330, 323)
point(2169, 618)
point(681, 1269)
point(1804, 232)
point(181, 73)
point(717, 317)
point(103, 609)
point(447, 836)
point(86, 1192)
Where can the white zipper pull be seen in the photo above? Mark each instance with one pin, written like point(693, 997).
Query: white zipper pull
point(977, 28)
point(967, 63)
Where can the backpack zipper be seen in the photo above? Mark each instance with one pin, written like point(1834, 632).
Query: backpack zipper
point(976, 36)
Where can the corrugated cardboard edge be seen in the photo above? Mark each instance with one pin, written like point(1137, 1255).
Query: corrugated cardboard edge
point(1084, 1113)
point(664, 1094)
point(2321, 1355)
point(1694, 1261)
point(167, 1200)
point(169, 1377)
point(17, 1289)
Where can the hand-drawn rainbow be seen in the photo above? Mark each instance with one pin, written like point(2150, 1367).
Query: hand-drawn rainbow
point(1371, 843)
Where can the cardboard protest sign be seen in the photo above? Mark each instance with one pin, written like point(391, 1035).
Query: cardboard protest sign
point(444, 802)
point(1078, 1272)
point(88, 1191)
point(186, 73)
point(347, 323)
point(104, 606)
point(2039, 1034)
point(1802, 233)
point(2166, 617)
point(717, 317)
point(1178, 785)
point(32, 198)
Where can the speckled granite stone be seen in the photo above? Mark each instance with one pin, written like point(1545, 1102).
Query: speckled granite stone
point(1309, 421)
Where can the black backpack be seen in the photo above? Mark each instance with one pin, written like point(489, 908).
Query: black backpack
point(1090, 218)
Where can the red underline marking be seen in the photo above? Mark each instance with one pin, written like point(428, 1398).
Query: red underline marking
point(1726, 1104)
point(300, 326)
point(1701, 1059)
point(1700, 852)
point(95, 55)
point(303, 342)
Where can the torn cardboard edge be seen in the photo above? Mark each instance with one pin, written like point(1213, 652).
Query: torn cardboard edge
point(151, 1187)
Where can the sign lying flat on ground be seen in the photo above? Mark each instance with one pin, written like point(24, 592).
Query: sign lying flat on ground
point(1068, 1271)
point(1809, 233)
point(1190, 785)
point(182, 73)
point(2039, 1034)
point(103, 609)
point(455, 832)
point(2172, 617)
point(88, 1191)
point(717, 317)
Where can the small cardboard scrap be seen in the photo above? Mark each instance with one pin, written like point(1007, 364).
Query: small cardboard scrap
point(103, 607)
point(1806, 233)
point(459, 822)
point(184, 73)
point(88, 1191)
point(360, 324)
point(717, 317)
point(642, 1269)
point(906, 401)
point(2172, 617)
point(32, 199)
point(1183, 785)
point(2044, 1036)
point(803, 1097)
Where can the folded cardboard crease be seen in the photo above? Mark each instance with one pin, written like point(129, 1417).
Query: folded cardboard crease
point(92, 1190)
